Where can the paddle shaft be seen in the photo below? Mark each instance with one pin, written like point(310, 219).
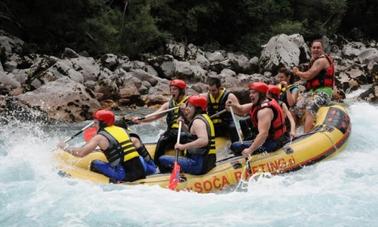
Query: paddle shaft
point(234, 119)
point(218, 113)
point(78, 133)
point(178, 138)
point(158, 113)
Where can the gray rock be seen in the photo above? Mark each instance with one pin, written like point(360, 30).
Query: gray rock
point(352, 49)
point(176, 49)
point(69, 53)
point(87, 66)
point(109, 61)
point(280, 50)
point(215, 56)
point(63, 99)
point(10, 44)
point(368, 56)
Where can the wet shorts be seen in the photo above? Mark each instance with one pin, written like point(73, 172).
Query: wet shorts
point(310, 102)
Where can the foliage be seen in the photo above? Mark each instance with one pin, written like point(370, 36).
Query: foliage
point(132, 27)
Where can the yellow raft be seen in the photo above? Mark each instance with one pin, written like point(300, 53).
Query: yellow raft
point(327, 139)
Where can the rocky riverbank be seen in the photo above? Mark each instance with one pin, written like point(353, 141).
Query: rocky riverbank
point(72, 86)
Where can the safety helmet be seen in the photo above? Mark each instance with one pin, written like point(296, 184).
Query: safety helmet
point(105, 116)
point(178, 83)
point(273, 89)
point(198, 101)
point(259, 87)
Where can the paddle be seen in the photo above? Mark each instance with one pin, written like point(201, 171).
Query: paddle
point(89, 133)
point(175, 175)
point(234, 119)
point(243, 177)
point(78, 133)
point(218, 113)
point(129, 122)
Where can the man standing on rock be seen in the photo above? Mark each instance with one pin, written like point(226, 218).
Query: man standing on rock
point(319, 82)
point(168, 138)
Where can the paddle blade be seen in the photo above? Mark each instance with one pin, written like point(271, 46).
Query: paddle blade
point(174, 179)
point(89, 133)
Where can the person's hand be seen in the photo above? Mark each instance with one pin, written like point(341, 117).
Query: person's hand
point(179, 146)
point(61, 145)
point(292, 134)
point(283, 84)
point(246, 152)
point(136, 120)
point(295, 71)
point(229, 104)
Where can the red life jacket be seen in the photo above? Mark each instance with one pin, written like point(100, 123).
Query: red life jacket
point(325, 78)
point(277, 126)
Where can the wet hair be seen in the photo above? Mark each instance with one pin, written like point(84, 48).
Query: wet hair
point(262, 97)
point(214, 81)
point(288, 73)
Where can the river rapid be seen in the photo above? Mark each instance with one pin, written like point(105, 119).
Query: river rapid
point(342, 191)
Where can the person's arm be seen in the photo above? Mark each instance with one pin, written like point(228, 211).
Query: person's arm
point(292, 96)
point(264, 118)
point(315, 69)
point(154, 117)
point(291, 119)
point(198, 129)
point(87, 148)
point(238, 109)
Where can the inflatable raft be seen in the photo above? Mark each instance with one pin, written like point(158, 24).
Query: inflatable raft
point(328, 138)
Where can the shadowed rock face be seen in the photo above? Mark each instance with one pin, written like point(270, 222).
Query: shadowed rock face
point(63, 99)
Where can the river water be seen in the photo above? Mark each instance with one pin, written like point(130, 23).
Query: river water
point(339, 192)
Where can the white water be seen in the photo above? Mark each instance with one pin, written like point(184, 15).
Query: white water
point(339, 192)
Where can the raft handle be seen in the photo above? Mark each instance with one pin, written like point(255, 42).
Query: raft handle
point(236, 165)
point(288, 150)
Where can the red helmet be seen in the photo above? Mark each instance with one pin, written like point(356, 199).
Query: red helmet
point(259, 87)
point(178, 83)
point(273, 89)
point(198, 101)
point(105, 116)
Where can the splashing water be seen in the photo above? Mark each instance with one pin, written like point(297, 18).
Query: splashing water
point(342, 191)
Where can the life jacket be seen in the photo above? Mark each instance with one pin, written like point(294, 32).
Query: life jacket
point(216, 105)
point(210, 156)
point(325, 78)
point(173, 115)
point(277, 127)
point(120, 149)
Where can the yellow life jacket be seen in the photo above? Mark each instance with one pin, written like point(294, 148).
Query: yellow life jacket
point(173, 115)
point(216, 105)
point(210, 132)
point(120, 149)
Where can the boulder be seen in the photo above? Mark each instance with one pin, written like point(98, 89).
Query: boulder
point(63, 99)
point(352, 49)
point(87, 66)
point(10, 44)
point(282, 50)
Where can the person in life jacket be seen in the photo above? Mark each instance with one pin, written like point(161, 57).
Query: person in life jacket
point(273, 93)
point(289, 90)
point(320, 82)
point(168, 139)
point(124, 163)
point(216, 99)
point(267, 116)
point(199, 149)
